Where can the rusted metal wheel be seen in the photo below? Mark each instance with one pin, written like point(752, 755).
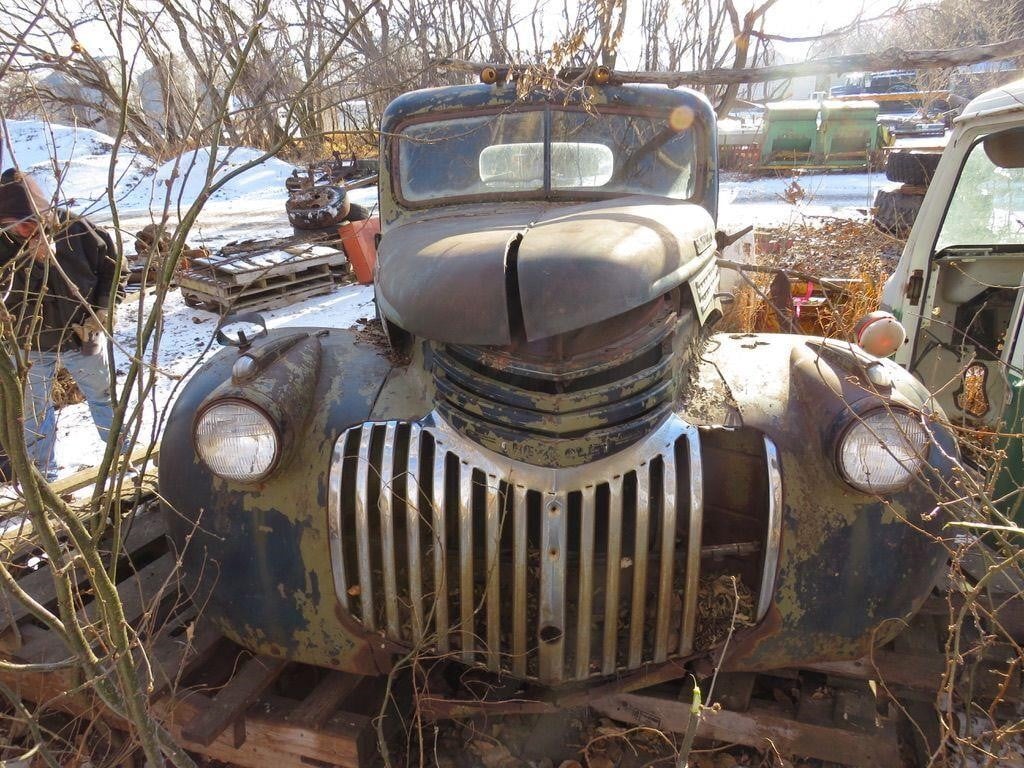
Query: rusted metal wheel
point(318, 207)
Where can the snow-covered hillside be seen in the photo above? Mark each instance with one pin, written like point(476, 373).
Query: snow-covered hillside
point(74, 162)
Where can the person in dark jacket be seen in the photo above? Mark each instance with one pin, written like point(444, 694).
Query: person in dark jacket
point(58, 280)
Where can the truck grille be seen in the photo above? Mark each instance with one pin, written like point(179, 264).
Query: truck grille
point(548, 574)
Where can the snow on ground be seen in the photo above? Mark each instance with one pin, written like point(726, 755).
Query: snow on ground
point(762, 200)
point(178, 182)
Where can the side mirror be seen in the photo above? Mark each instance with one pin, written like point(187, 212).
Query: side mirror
point(1006, 148)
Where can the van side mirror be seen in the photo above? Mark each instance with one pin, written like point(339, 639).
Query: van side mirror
point(1006, 148)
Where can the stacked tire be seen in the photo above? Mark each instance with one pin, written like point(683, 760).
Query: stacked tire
point(913, 168)
point(896, 210)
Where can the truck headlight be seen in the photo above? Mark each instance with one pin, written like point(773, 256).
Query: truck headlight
point(236, 441)
point(882, 450)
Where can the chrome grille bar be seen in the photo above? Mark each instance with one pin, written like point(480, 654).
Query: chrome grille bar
point(387, 528)
point(466, 598)
point(771, 550)
point(363, 470)
point(334, 525)
point(551, 614)
point(586, 598)
point(493, 576)
point(440, 547)
point(691, 587)
point(668, 550)
point(639, 599)
point(519, 588)
point(412, 517)
point(612, 569)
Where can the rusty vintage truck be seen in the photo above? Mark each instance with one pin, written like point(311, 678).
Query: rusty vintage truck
point(555, 469)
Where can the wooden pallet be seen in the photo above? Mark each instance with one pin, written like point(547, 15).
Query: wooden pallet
point(264, 274)
point(214, 697)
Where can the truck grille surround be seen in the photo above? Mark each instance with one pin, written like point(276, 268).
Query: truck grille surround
point(551, 575)
point(571, 399)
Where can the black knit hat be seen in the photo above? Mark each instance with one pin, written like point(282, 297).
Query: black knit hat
point(20, 196)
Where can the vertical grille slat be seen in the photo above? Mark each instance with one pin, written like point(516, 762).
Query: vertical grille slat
point(385, 508)
point(466, 596)
point(547, 574)
point(519, 588)
point(551, 618)
point(440, 547)
point(412, 511)
point(612, 570)
point(493, 576)
point(639, 598)
point(668, 548)
point(691, 587)
point(363, 469)
point(586, 598)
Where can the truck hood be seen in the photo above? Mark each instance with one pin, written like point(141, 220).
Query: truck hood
point(451, 275)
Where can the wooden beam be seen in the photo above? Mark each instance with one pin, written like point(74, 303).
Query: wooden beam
point(233, 699)
point(893, 58)
point(756, 728)
point(172, 657)
point(318, 706)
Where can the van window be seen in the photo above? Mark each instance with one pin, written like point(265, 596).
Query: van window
point(987, 206)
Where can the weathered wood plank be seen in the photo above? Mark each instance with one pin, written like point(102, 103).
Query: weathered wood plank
point(140, 530)
point(138, 593)
point(233, 699)
point(756, 728)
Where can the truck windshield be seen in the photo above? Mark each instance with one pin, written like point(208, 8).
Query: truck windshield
point(987, 206)
point(547, 152)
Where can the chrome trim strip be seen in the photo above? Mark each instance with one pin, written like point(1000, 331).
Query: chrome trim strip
point(385, 500)
point(691, 587)
point(334, 523)
point(774, 538)
point(669, 483)
point(611, 594)
point(493, 578)
point(467, 600)
point(440, 547)
point(412, 511)
point(639, 572)
point(585, 604)
point(363, 528)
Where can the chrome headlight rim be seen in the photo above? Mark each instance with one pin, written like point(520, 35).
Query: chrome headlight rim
point(260, 411)
point(912, 465)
